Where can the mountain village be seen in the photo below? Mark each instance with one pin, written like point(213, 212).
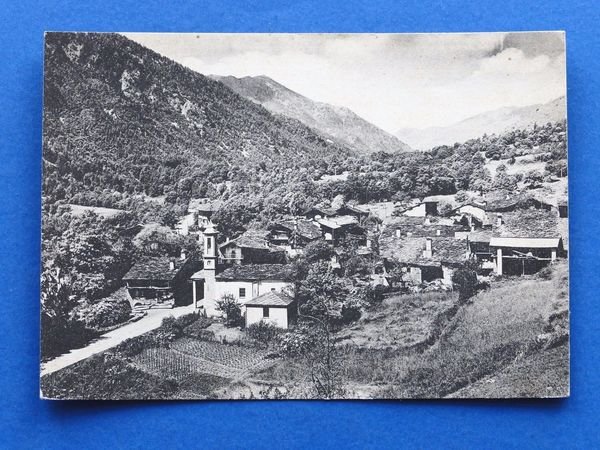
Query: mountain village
point(221, 237)
point(504, 234)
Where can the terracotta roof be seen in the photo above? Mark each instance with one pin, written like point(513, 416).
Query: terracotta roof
point(270, 299)
point(154, 268)
point(409, 250)
point(256, 272)
point(532, 223)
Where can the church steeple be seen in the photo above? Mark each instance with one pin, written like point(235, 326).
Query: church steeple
point(210, 248)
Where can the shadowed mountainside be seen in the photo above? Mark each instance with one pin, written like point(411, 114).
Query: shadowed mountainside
point(339, 123)
point(119, 116)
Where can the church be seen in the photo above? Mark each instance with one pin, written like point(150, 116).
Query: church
point(245, 282)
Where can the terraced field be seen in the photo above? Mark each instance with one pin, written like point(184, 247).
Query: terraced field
point(188, 356)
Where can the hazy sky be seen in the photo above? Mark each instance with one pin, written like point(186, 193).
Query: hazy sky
point(392, 80)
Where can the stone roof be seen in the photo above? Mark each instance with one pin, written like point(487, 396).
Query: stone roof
point(270, 299)
point(154, 268)
point(204, 205)
point(409, 250)
point(531, 223)
point(256, 272)
point(306, 228)
point(338, 221)
point(255, 239)
point(418, 227)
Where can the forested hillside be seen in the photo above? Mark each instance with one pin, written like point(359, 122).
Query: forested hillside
point(341, 124)
point(120, 117)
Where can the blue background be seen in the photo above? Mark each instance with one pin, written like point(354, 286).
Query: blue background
point(26, 421)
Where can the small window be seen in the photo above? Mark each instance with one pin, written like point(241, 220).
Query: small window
point(272, 289)
point(265, 311)
point(208, 243)
point(242, 292)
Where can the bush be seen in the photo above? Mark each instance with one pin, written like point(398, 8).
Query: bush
point(104, 313)
point(351, 310)
point(297, 342)
point(371, 296)
point(545, 273)
point(198, 329)
point(59, 336)
point(263, 332)
point(232, 310)
point(187, 319)
point(465, 280)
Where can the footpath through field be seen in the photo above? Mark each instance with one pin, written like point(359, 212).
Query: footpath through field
point(113, 338)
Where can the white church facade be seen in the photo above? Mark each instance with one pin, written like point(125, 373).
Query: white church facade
point(244, 282)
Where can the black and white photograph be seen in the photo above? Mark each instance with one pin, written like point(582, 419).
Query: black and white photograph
point(304, 216)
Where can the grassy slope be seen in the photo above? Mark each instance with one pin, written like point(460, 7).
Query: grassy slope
point(514, 326)
point(516, 332)
point(403, 321)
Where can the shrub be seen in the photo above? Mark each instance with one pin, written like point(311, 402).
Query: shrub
point(545, 273)
point(232, 310)
point(263, 332)
point(297, 342)
point(465, 281)
point(351, 310)
point(198, 329)
point(104, 313)
point(59, 336)
point(371, 296)
point(186, 320)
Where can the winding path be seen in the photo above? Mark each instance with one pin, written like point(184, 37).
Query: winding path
point(152, 320)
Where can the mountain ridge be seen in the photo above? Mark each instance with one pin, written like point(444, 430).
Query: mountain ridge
point(120, 117)
point(339, 123)
point(490, 122)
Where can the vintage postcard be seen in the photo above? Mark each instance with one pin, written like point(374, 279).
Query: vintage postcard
point(304, 216)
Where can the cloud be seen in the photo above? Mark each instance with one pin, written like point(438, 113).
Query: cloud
point(392, 80)
point(513, 60)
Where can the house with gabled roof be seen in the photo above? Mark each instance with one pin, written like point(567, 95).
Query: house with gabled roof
point(423, 226)
point(252, 247)
point(293, 234)
point(423, 258)
point(524, 241)
point(276, 308)
point(160, 282)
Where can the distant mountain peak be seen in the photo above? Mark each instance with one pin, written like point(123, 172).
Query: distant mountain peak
point(338, 123)
point(491, 122)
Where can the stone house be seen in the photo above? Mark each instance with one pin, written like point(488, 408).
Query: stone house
point(160, 282)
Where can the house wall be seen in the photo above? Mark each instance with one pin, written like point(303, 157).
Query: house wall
point(447, 273)
point(416, 211)
point(215, 289)
point(479, 213)
point(278, 316)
